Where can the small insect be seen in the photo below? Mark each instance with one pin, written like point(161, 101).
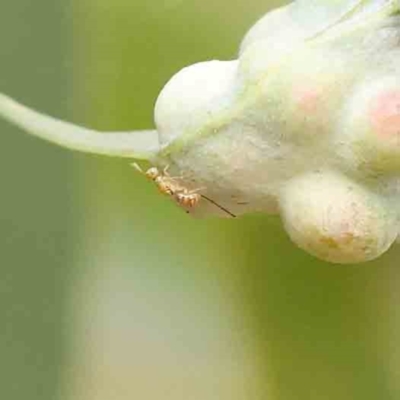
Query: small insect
point(170, 186)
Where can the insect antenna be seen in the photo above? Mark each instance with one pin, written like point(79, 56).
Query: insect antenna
point(218, 205)
point(137, 167)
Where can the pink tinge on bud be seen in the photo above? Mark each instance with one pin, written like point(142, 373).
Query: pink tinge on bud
point(384, 114)
point(307, 98)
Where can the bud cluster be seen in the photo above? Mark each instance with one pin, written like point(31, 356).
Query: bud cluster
point(305, 123)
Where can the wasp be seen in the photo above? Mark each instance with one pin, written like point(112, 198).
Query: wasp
point(170, 186)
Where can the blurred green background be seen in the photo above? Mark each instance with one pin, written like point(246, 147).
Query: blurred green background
point(107, 290)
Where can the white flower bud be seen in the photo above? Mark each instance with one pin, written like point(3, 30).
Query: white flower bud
point(337, 219)
point(194, 97)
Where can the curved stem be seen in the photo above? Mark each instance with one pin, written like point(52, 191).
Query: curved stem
point(136, 144)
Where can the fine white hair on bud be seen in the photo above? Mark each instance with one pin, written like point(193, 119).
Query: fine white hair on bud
point(306, 123)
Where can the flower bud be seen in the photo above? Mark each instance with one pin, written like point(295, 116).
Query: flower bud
point(337, 219)
point(194, 97)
